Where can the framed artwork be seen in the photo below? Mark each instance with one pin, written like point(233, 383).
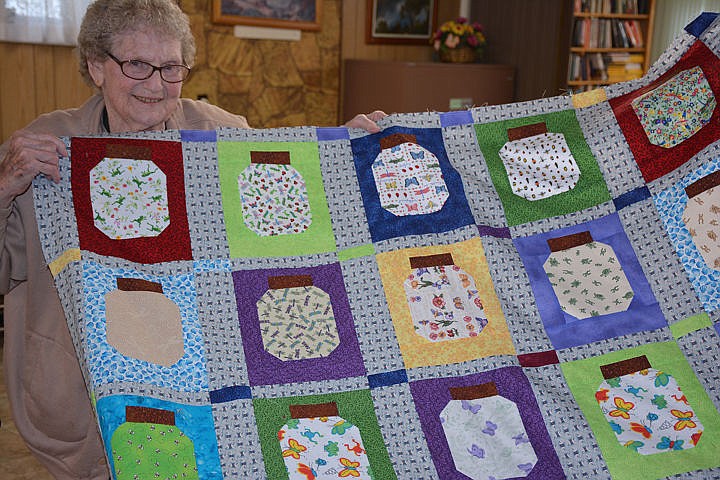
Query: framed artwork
point(296, 14)
point(400, 21)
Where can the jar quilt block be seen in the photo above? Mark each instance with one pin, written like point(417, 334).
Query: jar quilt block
point(408, 183)
point(539, 163)
point(649, 423)
point(297, 324)
point(130, 199)
point(443, 299)
point(273, 195)
point(296, 319)
point(486, 435)
point(687, 211)
point(676, 110)
point(674, 117)
point(588, 283)
point(273, 199)
point(541, 166)
point(646, 408)
point(408, 177)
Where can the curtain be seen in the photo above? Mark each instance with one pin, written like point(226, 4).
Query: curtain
point(671, 16)
point(55, 22)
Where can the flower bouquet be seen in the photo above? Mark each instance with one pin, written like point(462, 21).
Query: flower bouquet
point(459, 41)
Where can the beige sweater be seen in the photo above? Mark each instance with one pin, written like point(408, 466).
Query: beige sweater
point(48, 398)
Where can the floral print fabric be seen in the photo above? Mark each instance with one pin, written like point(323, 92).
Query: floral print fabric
point(409, 180)
point(323, 448)
point(676, 110)
point(588, 280)
point(540, 166)
point(297, 323)
point(487, 438)
point(444, 303)
point(129, 198)
point(274, 199)
point(648, 412)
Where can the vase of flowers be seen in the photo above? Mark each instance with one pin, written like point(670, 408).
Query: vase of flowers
point(459, 41)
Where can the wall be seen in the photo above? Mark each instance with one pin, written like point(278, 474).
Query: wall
point(671, 17)
point(532, 35)
point(354, 20)
point(35, 79)
point(278, 83)
point(272, 83)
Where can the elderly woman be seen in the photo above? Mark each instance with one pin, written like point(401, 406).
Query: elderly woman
point(137, 53)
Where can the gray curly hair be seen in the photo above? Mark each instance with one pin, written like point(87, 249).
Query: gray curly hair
point(106, 19)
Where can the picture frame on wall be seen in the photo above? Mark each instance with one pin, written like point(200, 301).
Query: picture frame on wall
point(295, 14)
point(401, 21)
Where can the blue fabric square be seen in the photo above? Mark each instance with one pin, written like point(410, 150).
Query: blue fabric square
point(701, 23)
point(384, 225)
point(566, 331)
point(108, 365)
point(671, 204)
point(195, 421)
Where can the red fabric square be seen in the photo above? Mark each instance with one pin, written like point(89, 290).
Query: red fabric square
point(655, 161)
point(170, 245)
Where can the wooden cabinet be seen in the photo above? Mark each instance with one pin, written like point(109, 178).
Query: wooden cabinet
point(405, 87)
point(611, 41)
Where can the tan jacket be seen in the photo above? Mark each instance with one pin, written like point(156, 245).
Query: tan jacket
point(48, 398)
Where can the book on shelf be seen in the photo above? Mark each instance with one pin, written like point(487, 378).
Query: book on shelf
point(605, 67)
point(629, 7)
point(587, 67)
point(607, 33)
point(623, 66)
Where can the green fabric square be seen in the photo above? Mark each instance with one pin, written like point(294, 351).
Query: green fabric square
point(690, 324)
point(356, 407)
point(589, 191)
point(584, 377)
point(233, 158)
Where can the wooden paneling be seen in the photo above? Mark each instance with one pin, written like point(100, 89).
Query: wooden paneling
point(36, 79)
point(353, 46)
point(67, 72)
point(354, 19)
point(531, 35)
point(413, 86)
point(523, 33)
point(528, 34)
point(17, 87)
point(44, 88)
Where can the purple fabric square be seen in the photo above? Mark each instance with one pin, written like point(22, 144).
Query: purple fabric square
point(266, 369)
point(431, 397)
point(566, 331)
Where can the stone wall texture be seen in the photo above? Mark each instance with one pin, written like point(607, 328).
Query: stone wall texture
point(273, 83)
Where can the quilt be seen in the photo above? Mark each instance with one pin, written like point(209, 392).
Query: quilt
point(529, 290)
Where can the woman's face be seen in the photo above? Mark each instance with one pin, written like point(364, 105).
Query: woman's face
point(137, 105)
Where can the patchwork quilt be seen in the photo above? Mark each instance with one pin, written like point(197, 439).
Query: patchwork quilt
point(529, 290)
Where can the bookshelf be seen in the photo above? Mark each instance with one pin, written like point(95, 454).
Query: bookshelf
point(610, 42)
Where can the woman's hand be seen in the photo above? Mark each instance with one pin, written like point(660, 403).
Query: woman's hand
point(28, 155)
point(367, 121)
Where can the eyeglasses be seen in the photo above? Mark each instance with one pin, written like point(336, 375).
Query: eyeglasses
point(139, 70)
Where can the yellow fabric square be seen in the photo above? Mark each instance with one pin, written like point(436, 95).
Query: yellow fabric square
point(65, 258)
point(590, 98)
point(418, 351)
